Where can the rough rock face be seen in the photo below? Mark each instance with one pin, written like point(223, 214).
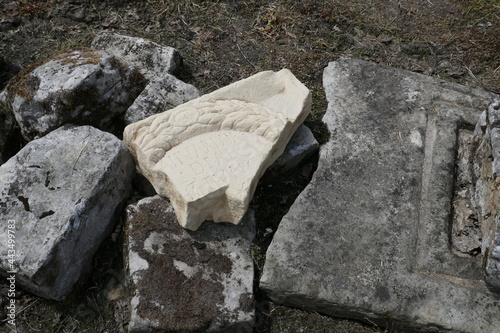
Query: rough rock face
point(83, 87)
point(208, 154)
point(154, 60)
point(185, 281)
point(484, 210)
point(160, 94)
point(60, 193)
point(369, 237)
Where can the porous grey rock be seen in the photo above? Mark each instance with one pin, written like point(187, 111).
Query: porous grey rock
point(186, 281)
point(82, 87)
point(208, 154)
point(369, 237)
point(61, 193)
point(161, 94)
point(153, 59)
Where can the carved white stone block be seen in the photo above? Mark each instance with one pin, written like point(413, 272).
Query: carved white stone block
point(208, 154)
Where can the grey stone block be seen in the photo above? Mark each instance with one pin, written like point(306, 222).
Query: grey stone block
point(161, 94)
point(82, 87)
point(369, 237)
point(61, 194)
point(188, 281)
point(154, 60)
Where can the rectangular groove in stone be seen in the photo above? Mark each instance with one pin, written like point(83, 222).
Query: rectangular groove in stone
point(433, 239)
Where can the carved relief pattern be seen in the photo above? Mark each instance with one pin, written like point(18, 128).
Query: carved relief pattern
point(208, 154)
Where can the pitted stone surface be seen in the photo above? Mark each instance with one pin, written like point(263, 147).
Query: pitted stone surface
point(160, 94)
point(369, 237)
point(185, 281)
point(62, 192)
point(82, 87)
point(484, 195)
point(153, 60)
point(208, 154)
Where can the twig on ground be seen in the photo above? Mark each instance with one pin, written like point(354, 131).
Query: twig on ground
point(244, 56)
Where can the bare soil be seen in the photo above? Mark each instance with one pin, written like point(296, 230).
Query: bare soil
point(227, 40)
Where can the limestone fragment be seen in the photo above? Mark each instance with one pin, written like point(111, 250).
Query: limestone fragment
point(61, 194)
point(208, 154)
point(160, 94)
point(157, 63)
point(153, 60)
point(82, 87)
point(188, 281)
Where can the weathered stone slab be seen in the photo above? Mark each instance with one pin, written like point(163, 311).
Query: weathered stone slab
point(369, 237)
point(208, 154)
point(160, 94)
point(82, 87)
point(154, 60)
point(186, 281)
point(60, 194)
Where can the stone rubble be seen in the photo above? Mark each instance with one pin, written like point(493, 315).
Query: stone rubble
point(157, 63)
point(65, 189)
point(207, 155)
point(63, 192)
point(400, 225)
